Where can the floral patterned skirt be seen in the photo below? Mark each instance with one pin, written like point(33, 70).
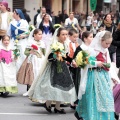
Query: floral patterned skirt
point(55, 86)
point(97, 103)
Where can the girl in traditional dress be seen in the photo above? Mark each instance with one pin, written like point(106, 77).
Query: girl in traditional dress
point(95, 91)
point(18, 29)
point(8, 83)
point(87, 38)
point(31, 66)
point(51, 84)
point(109, 25)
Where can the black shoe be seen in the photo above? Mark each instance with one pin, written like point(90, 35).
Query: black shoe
point(78, 118)
point(47, 108)
point(28, 87)
point(76, 102)
point(116, 116)
point(1, 93)
point(5, 94)
point(73, 107)
point(61, 111)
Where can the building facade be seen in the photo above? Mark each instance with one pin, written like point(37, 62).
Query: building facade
point(60, 5)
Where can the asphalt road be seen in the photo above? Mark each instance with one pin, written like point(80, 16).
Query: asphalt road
point(17, 107)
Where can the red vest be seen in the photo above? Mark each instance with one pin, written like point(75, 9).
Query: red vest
point(100, 57)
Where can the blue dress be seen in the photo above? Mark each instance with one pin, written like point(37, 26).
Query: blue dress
point(15, 29)
point(97, 103)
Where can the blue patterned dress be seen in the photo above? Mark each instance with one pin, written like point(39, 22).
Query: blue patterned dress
point(15, 29)
point(97, 103)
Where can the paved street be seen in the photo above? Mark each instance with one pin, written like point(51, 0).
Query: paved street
point(17, 107)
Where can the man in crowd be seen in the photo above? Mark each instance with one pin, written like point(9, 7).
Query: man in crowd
point(27, 17)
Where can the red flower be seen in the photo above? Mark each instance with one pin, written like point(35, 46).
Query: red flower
point(34, 47)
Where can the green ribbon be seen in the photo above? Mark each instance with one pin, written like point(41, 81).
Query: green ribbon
point(93, 4)
point(92, 60)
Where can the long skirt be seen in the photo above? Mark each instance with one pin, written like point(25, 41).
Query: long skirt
point(97, 103)
point(29, 69)
point(8, 81)
point(55, 86)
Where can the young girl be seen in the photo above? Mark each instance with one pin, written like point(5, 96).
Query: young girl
point(8, 83)
point(87, 38)
point(95, 93)
point(53, 85)
point(34, 52)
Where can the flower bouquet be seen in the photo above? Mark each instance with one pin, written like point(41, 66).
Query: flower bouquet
point(82, 59)
point(34, 48)
point(31, 27)
point(58, 54)
point(16, 51)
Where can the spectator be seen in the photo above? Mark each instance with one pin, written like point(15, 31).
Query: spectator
point(101, 14)
point(57, 20)
point(39, 16)
point(35, 17)
point(94, 28)
point(117, 17)
point(53, 17)
point(69, 22)
point(77, 15)
point(27, 17)
point(82, 20)
point(89, 21)
point(63, 17)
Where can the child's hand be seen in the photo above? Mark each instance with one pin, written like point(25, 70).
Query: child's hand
point(32, 52)
point(100, 64)
point(74, 64)
point(22, 36)
point(114, 81)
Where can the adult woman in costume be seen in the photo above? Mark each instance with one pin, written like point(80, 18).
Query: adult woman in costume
point(18, 29)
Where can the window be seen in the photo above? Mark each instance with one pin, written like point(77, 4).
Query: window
point(18, 4)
